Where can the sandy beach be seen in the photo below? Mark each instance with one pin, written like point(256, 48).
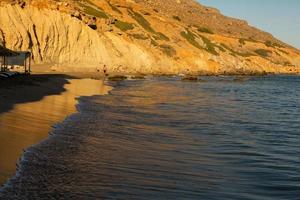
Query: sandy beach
point(32, 104)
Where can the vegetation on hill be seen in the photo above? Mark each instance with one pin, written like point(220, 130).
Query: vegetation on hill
point(179, 32)
point(205, 30)
point(191, 38)
point(96, 12)
point(124, 26)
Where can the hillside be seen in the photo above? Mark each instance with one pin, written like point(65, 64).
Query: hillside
point(141, 36)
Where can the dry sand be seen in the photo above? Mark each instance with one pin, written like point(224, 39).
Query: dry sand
point(31, 105)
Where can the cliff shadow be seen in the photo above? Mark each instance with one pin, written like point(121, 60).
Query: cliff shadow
point(29, 88)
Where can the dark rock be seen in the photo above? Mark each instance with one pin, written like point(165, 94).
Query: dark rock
point(117, 78)
point(190, 78)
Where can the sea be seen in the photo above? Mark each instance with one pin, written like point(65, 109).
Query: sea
point(217, 138)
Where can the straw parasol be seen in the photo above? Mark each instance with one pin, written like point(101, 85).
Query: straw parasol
point(6, 52)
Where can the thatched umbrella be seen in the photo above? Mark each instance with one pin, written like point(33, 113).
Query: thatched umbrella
point(6, 52)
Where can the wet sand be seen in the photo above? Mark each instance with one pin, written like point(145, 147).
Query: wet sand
point(31, 105)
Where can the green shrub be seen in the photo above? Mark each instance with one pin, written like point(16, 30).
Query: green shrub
point(168, 50)
point(232, 52)
point(244, 54)
point(141, 20)
point(94, 12)
point(251, 39)
point(242, 41)
point(146, 13)
point(205, 30)
point(221, 48)
point(114, 8)
point(285, 52)
point(146, 25)
point(161, 36)
point(190, 37)
point(139, 36)
point(154, 43)
point(288, 63)
point(176, 18)
point(268, 43)
point(263, 52)
point(209, 46)
point(86, 1)
point(124, 26)
point(236, 53)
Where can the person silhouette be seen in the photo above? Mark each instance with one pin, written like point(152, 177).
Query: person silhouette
point(105, 70)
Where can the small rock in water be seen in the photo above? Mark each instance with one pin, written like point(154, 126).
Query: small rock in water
point(190, 78)
point(240, 79)
point(117, 78)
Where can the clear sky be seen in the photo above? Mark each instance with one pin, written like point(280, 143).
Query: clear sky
point(278, 17)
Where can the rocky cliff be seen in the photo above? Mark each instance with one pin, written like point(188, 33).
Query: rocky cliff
point(141, 37)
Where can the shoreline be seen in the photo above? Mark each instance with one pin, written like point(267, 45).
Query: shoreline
point(130, 138)
point(95, 73)
point(31, 106)
point(35, 89)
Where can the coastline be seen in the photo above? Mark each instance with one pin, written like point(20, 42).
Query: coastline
point(25, 95)
point(97, 73)
point(32, 105)
point(122, 144)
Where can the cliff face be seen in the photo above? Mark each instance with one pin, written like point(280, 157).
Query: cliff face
point(56, 37)
point(135, 37)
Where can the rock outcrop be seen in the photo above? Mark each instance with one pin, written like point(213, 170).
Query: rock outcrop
point(55, 37)
point(129, 37)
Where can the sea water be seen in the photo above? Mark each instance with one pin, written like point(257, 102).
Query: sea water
point(162, 138)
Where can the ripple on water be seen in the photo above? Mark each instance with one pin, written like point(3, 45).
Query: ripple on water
point(29, 123)
point(166, 139)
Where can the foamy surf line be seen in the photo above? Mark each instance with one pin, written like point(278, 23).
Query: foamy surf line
point(41, 117)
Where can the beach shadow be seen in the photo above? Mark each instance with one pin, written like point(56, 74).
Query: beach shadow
point(30, 88)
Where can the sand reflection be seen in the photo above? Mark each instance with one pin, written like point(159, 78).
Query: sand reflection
point(29, 123)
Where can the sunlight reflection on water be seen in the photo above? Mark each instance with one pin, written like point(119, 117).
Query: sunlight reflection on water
point(29, 123)
point(162, 138)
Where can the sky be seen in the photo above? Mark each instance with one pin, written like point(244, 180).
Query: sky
point(281, 18)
